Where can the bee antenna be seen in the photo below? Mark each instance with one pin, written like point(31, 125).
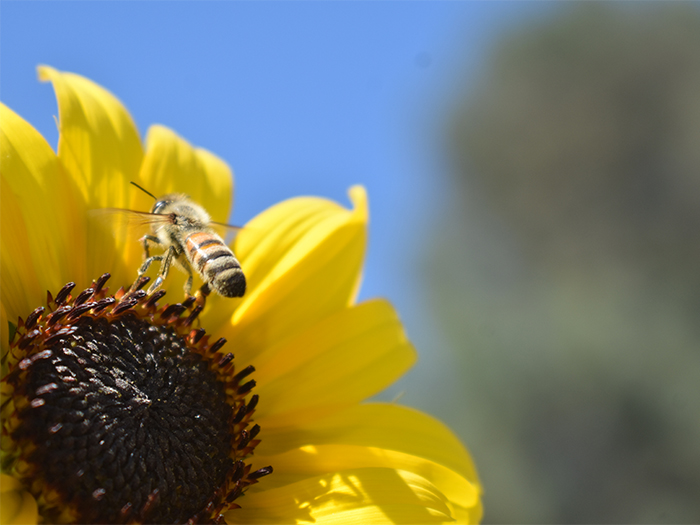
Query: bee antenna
point(144, 190)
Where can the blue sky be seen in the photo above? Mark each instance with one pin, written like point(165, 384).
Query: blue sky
point(300, 98)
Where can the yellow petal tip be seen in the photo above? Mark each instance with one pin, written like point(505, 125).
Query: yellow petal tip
point(358, 196)
point(45, 72)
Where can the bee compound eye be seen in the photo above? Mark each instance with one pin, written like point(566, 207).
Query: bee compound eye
point(158, 207)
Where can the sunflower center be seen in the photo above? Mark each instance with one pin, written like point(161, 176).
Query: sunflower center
point(126, 414)
point(124, 409)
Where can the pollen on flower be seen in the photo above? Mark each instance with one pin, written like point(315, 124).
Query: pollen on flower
point(117, 410)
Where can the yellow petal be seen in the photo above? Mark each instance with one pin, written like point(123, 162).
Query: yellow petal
point(172, 165)
point(100, 148)
point(302, 259)
point(353, 496)
point(98, 141)
point(17, 506)
point(42, 219)
point(344, 359)
point(387, 426)
point(461, 496)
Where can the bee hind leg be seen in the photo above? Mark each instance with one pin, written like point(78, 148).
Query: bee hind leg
point(202, 294)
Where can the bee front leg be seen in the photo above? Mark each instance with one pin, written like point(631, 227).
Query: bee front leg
point(146, 248)
point(164, 268)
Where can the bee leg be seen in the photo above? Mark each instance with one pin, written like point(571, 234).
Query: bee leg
point(144, 269)
point(164, 268)
point(202, 294)
point(188, 284)
point(146, 248)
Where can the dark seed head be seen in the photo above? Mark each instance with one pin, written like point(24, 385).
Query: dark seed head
point(125, 413)
point(137, 412)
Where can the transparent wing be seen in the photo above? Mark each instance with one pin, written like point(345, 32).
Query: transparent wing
point(141, 218)
point(121, 222)
point(227, 232)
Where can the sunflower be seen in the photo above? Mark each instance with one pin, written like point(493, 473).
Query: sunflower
point(279, 434)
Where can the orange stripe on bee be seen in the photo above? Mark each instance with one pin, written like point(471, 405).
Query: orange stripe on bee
point(201, 245)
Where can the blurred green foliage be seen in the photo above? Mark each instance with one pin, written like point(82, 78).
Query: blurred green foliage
point(567, 271)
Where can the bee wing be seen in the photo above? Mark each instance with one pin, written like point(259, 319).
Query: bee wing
point(227, 232)
point(135, 223)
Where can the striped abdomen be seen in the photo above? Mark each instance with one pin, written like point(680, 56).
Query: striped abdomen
point(216, 263)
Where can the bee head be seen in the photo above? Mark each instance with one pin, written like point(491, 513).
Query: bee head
point(162, 204)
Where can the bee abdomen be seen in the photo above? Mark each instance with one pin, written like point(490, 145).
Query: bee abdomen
point(230, 282)
point(216, 263)
point(202, 247)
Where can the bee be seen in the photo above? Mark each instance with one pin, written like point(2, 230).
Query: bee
point(183, 228)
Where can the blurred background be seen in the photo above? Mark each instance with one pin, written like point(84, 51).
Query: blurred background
point(534, 180)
